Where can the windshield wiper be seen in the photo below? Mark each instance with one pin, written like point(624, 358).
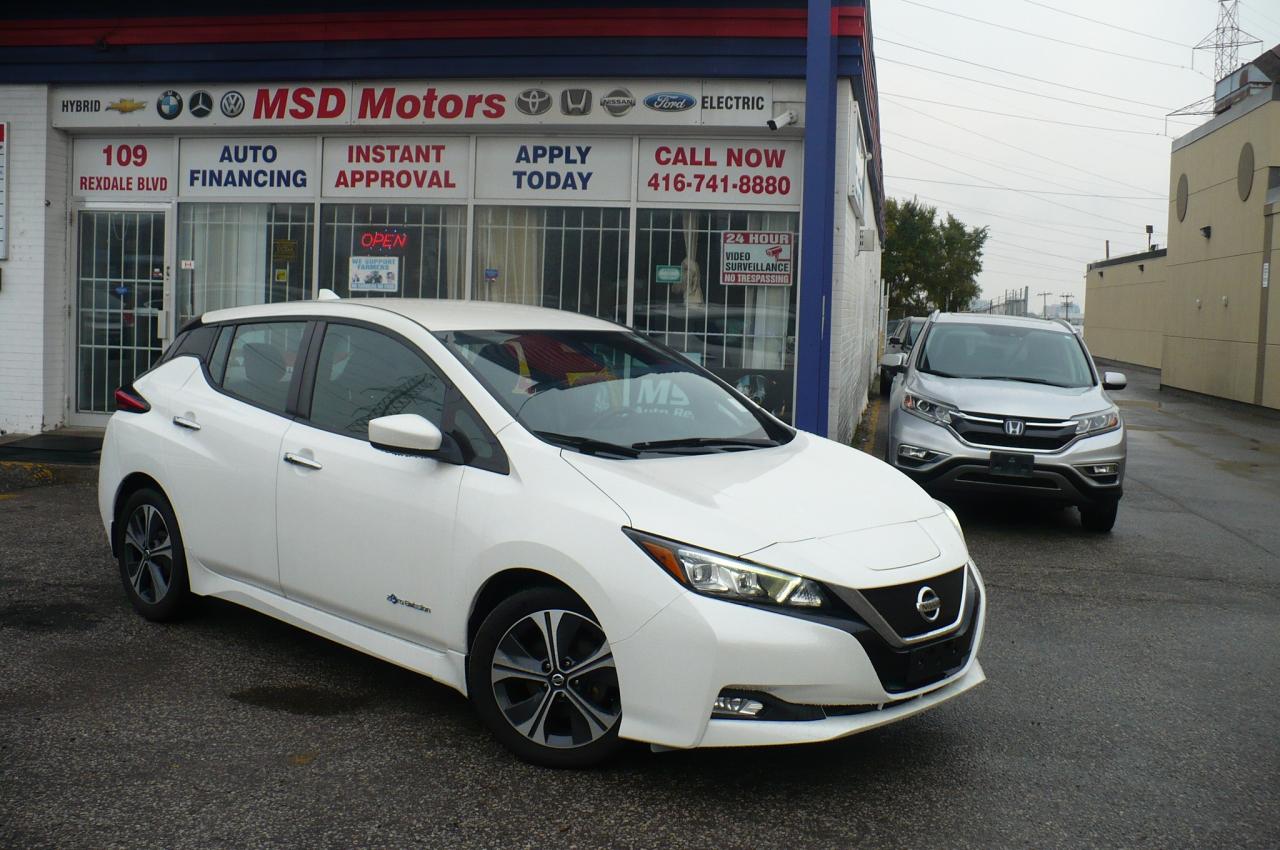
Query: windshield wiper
point(1022, 379)
point(941, 374)
point(587, 445)
point(705, 442)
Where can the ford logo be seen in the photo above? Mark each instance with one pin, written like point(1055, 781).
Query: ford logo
point(670, 101)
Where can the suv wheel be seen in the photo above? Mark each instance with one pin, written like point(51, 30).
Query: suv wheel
point(886, 383)
point(542, 677)
point(1100, 517)
point(153, 564)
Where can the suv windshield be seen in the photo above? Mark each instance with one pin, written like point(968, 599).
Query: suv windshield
point(1000, 352)
point(612, 393)
point(913, 327)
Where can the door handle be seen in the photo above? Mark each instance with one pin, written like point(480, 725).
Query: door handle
point(299, 460)
point(189, 424)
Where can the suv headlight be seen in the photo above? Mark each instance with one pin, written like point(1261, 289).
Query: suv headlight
point(1103, 420)
point(728, 578)
point(934, 411)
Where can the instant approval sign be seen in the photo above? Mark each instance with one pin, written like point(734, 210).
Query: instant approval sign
point(247, 168)
point(553, 169)
point(397, 167)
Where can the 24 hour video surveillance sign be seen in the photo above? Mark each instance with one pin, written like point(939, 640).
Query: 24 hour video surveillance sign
point(757, 258)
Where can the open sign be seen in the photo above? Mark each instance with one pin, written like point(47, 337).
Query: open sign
point(384, 240)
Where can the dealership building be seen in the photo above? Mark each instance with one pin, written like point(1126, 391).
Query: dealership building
point(707, 175)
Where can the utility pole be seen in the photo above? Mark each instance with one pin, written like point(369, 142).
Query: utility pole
point(1226, 40)
point(1067, 298)
point(1044, 308)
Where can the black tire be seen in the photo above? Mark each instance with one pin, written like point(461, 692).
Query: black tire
point(153, 563)
point(564, 720)
point(886, 384)
point(1100, 517)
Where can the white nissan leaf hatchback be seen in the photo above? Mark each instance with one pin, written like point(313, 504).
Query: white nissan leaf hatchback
point(590, 536)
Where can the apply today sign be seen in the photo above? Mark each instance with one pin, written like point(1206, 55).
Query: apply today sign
point(553, 169)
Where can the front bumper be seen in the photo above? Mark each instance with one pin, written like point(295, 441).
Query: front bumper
point(966, 469)
point(673, 668)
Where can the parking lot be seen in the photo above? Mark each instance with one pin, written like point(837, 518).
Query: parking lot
point(1133, 700)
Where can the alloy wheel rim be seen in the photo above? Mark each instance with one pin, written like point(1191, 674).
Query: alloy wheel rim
point(555, 681)
point(148, 554)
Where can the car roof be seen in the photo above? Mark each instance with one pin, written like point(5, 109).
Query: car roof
point(434, 314)
point(998, 319)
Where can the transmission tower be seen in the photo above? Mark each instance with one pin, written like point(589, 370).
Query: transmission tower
point(1226, 39)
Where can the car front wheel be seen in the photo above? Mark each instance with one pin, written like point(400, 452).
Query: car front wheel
point(153, 565)
point(1101, 517)
point(542, 677)
point(886, 383)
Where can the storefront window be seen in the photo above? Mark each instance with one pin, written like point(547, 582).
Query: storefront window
point(230, 255)
point(721, 288)
point(392, 250)
point(568, 258)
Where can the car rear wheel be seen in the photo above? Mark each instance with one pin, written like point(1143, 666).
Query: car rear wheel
point(542, 677)
point(886, 383)
point(1099, 517)
point(153, 564)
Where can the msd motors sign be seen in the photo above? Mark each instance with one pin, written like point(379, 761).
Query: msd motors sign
point(628, 103)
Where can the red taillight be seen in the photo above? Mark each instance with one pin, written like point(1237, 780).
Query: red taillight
point(128, 400)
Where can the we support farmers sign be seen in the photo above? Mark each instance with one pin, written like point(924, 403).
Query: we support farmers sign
point(757, 258)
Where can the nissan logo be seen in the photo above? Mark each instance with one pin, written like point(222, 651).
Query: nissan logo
point(928, 603)
point(670, 101)
point(533, 101)
point(1014, 427)
point(618, 102)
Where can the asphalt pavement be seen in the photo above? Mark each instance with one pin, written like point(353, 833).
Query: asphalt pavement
point(1132, 701)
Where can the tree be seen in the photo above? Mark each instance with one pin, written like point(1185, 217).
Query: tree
point(929, 264)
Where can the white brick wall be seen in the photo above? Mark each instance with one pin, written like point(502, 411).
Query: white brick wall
point(855, 307)
point(31, 340)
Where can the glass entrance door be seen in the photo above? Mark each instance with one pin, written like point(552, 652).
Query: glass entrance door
point(120, 283)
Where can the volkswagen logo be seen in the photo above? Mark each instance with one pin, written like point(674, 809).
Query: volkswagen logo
point(201, 104)
point(618, 102)
point(928, 603)
point(232, 104)
point(670, 101)
point(533, 101)
point(575, 101)
point(169, 105)
point(1014, 427)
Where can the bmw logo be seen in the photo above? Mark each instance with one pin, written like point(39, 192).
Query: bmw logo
point(618, 102)
point(201, 104)
point(232, 104)
point(533, 101)
point(169, 105)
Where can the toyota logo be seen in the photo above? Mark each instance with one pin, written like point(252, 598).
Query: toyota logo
point(1014, 427)
point(533, 101)
point(928, 603)
point(201, 104)
point(232, 104)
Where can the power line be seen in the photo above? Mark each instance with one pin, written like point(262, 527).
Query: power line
point(1029, 262)
point(1261, 14)
point(1038, 251)
point(1108, 25)
point(1027, 151)
point(1026, 91)
point(1051, 38)
point(1026, 191)
point(883, 40)
point(1024, 276)
point(1026, 117)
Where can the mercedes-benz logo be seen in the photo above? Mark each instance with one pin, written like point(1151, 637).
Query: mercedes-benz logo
point(169, 105)
point(928, 603)
point(201, 104)
point(232, 104)
point(533, 101)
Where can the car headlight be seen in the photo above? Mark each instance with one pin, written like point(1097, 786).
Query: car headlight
point(1103, 420)
point(955, 520)
point(934, 411)
point(717, 575)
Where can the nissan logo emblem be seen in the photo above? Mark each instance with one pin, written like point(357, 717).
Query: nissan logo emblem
point(928, 603)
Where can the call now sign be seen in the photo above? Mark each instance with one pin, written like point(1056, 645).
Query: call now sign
point(757, 258)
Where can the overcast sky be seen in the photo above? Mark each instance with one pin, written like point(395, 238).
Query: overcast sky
point(1044, 241)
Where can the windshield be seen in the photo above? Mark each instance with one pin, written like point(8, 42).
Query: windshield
point(1005, 352)
point(913, 329)
point(612, 393)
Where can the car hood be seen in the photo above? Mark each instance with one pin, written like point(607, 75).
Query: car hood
point(1010, 398)
point(810, 490)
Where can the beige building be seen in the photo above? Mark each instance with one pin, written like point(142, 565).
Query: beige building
point(1208, 299)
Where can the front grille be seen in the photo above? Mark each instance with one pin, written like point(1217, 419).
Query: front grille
point(923, 664)
point(897, 604)
point(982, 429)
point(1006, 481)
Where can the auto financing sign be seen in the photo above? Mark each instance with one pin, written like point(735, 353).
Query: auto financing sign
point(754, 258)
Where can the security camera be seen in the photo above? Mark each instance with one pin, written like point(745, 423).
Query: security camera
point(786, 119)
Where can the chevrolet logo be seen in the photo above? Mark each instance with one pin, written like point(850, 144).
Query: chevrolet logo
point(125, 105)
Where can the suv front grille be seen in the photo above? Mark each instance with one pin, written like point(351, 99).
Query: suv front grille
point(983, 429)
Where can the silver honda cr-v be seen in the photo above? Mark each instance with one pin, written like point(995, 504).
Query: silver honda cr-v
point(1013, 406)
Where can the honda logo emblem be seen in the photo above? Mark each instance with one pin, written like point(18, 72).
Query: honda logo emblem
point(1014, 427)
point(575, 101)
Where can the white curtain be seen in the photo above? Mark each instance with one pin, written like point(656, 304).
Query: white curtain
point(690, 270)
point(227, 246)
point(509, 241)
point(767, 309)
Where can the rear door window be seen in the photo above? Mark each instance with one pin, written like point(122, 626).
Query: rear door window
point(260, 363)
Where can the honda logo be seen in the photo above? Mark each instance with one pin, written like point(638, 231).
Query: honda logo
point(1014, 427)
point(575, 101)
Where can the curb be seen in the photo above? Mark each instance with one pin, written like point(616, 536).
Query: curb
point(20, 475)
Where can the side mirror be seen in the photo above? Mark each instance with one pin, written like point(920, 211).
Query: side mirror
point(405, 433)
point(1114, 381)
